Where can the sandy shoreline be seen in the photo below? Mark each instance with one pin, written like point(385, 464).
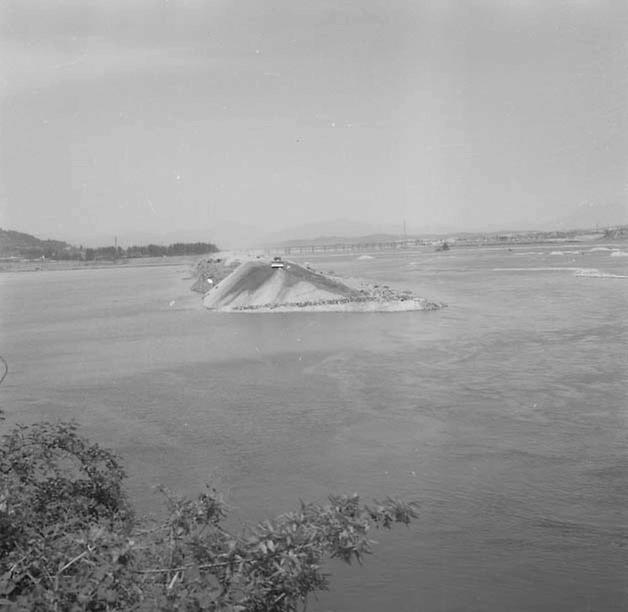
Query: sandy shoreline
point(411, 305)
point(71, 265)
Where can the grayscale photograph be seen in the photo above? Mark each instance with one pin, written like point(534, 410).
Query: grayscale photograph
point(313, 306)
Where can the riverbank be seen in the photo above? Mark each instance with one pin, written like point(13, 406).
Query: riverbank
point(51, 265)
point(361, 305)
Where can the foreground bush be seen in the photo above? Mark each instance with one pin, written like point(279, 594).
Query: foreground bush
point(70, 541)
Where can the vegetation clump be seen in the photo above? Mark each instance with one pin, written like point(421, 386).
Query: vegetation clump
point(69, 540)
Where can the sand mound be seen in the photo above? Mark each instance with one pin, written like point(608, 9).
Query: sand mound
point(255, 284)
point(209, 272)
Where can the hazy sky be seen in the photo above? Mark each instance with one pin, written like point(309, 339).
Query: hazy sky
point(123, 116)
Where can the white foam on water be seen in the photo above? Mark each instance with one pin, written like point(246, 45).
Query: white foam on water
point(365, 257)
point(595, 273)
point(596, 249)
point(619, 254)
point(544, 269)
point(583, 272)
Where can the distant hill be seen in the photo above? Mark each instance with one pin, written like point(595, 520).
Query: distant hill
point(344, 239)
point(25, 246)
point(584, 216)
point(328, 231)
point(19, 244)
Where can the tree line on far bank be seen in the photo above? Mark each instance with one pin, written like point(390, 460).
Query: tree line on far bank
point(19, 245)
point(112, 252)
point(151, 250)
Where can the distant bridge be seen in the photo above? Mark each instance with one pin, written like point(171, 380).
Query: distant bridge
point(348, 247)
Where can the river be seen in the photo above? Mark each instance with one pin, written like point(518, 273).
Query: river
point(504, 415)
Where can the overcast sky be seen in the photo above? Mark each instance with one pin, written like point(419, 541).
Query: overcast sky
point(123, 116)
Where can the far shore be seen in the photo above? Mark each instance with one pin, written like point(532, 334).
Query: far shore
point(53, 265)
point(8, 265)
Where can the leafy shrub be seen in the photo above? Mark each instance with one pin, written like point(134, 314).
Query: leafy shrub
point(70, 541)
